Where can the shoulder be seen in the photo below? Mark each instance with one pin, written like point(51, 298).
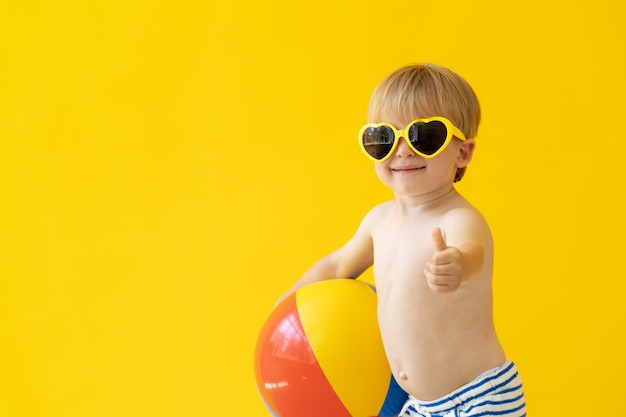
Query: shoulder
point(465, 218)
point(376, 215)
point(379, 211)
point(465, 212)
point(458, 207)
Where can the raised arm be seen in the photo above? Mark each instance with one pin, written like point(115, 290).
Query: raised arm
point(459, 252)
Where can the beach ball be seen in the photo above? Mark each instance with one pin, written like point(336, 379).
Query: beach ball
point(320, 354)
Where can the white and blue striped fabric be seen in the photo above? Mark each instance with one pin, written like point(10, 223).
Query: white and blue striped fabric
point(494, 393)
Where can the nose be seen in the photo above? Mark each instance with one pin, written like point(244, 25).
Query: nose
point(403, 150)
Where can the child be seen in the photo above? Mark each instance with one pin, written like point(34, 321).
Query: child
point(431, 250)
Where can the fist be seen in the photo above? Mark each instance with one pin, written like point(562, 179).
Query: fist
point(444, 270)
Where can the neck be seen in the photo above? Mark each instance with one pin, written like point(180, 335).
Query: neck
point(423, 201)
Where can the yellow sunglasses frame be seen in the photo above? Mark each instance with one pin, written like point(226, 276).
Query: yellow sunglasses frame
point(452, 130)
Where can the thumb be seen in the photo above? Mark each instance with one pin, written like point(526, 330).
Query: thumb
point(439, 243)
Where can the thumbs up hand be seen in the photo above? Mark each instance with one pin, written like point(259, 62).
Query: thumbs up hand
point(444, 270)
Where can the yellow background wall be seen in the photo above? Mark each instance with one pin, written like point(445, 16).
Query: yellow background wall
point(168, 169)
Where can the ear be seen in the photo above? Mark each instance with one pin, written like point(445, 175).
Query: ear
point(466, 151)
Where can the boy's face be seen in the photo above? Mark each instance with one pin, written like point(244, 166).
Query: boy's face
point(412, 175)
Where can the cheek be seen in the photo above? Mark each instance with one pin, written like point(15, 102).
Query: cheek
point(382, 171)
point(442, 168)
point(448, 161)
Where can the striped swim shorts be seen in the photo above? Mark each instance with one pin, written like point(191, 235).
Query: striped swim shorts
point(497, 392)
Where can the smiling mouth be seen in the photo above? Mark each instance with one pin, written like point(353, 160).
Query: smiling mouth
point(408, 169)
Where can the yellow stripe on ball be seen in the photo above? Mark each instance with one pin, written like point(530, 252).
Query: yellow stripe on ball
point(339, 319)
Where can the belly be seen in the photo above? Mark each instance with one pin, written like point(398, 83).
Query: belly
point(436, 343)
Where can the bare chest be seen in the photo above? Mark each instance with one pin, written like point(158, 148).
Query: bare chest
point(402, 250)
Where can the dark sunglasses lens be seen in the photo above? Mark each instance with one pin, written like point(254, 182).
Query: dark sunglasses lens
point(429, 137)
point(378, 141)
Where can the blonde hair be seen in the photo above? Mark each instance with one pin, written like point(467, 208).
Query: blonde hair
point(427, 90)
